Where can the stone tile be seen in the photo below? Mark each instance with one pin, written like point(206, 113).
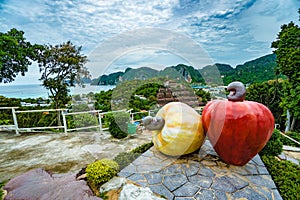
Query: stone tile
point(266, 192)
point(172, 182)
point(190, 169)
point(221, 183)
point(276, 195)
point(153, 178)
point(148, 154)
point(262, 170)
point(220, 195)
point(257, 160)
point(248, 169)
point(187, 190)
point(205, 171)
point(161, 190)
point(139, 179)
point(263, 180)
point(125, 174)
point(248, 193)
point(201, 181)
point(149, 168)
point(184, 198)
point(129, 169)
point(173, 169)
point(145, 161)
point(204, 194)
point(220, 170)
point(236, 181)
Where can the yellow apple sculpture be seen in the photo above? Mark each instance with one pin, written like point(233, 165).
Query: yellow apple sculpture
point(176, 128)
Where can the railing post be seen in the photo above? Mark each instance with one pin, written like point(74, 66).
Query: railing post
point(64, 121)
point(100, 122)
point(15, 120)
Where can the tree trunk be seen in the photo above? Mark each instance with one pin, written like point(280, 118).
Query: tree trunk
point(288, 121)
point(58, 115)
point(58, 119)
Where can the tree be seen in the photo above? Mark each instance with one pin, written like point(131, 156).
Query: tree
point(268, 93)
point(205, 96)
point(62, 66)
point(287, 50)
point(16, 55)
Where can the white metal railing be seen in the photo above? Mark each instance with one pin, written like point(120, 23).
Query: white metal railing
point(64, 113)
point(15, 125)
point(100, 115)
point(38, 128)
point(134, 113)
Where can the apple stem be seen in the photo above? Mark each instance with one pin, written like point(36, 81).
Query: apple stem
point(237, 91)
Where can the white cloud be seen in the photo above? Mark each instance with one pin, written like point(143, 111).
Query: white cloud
point(230, 31)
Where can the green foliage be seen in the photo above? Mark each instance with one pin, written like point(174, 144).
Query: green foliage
point(103, 100)
point(124, 94)
point(125, 158)
point(194, 73)
point(101, 171)
point(205, 96)
point(82, 120)
point(61, 66)
point(118, 124)
point(274, 145)
point(1, 191)
point(111, 79)
point(268, 93)
point(143, 148)
point(15, 55)
point(255, 71)
point(289, 142)
point(287, 50)
point(285, 175)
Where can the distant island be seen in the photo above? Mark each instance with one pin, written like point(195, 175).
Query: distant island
point(254, 71)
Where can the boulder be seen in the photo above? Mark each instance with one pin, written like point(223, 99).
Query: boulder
point(114, 184)
point(131, 191)
point(40, 184)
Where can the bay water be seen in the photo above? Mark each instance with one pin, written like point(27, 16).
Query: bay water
point(37, 90)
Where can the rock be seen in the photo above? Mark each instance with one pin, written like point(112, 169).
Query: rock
point(38, 184)
point(131, 191)
point(81, 177)
point(114, 184)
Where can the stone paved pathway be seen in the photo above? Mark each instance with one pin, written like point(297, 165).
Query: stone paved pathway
point(201, 175)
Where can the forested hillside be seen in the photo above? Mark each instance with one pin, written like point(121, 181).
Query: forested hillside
point(254, 71)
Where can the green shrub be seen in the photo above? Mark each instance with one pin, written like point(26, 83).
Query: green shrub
point(285, 175)
point(101, 171)
point(274, 145)
point(143, 148)
point(1, 191)
point(125, 158)
point(118, 125)
point(289, 142)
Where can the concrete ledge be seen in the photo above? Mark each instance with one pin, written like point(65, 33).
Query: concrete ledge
point(201, 175)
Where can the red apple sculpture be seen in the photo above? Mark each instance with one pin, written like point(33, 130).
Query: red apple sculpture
point(236, 128)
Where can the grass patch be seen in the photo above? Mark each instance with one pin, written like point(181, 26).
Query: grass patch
point(1, 191)
point(285, 175)
point(125, 158)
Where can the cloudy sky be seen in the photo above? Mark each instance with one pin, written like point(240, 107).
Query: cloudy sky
point(116, 34)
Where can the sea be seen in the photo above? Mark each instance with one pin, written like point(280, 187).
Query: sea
point(37, 90)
